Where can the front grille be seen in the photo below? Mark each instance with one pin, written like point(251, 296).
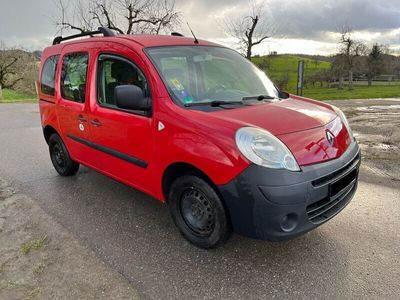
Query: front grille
point(332, 176)
point(341, 189)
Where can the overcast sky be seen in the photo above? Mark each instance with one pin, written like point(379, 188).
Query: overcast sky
point(301, 26)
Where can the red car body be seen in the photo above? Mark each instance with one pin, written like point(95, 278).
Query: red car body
point(146, 154)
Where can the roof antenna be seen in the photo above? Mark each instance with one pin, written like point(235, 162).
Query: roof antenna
point(195, 38)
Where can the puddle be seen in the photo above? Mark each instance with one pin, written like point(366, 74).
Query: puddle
point(385, 146)
point(379, 107)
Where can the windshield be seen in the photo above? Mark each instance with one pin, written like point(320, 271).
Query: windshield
point(200, 74)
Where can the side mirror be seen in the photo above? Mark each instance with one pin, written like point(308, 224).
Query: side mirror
point(131, 97)
point(284, 95)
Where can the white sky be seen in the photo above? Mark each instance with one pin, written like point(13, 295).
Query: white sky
point(301, 26)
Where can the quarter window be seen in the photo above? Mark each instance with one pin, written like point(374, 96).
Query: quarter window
point(114, 71)
point(73, 77)
point(49, 75)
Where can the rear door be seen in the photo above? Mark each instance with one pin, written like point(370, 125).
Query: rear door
point(123, 138)
point(72, 107)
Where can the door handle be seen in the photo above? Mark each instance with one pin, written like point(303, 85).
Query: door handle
point(96, 122)
point(82, 118)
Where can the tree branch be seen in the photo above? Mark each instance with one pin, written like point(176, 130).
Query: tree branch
point(150, 16)
point(259, 41)
point(250, 30)
point(71, 26)
point(13, 83)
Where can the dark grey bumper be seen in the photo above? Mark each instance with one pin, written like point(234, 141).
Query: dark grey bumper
point(278, 204)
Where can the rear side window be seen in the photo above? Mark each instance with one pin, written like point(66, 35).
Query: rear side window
point(49, 75)
point(73, 77)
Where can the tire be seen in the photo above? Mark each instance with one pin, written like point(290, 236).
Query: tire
point(60, 157)
point(198, 212)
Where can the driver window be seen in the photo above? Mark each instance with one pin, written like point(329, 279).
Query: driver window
point(114, 72)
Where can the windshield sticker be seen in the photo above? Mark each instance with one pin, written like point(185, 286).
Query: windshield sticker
point(187, 99)
point(175, 82)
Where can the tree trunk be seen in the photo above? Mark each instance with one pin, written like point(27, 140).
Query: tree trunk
point(1, 93)
point(369, 80)
point(350, 80)
point(248, 53)
point(341, 83)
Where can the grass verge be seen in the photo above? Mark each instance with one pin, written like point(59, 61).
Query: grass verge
point(11, 96)
point(359, 92)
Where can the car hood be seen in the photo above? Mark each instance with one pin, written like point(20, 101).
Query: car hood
point(302, 124)
point(282, 117)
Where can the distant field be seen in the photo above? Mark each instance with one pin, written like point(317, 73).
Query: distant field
point(279, 65)
point(14, 96)
point(359, 92)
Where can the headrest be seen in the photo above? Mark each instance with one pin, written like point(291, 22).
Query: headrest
point(122, 71)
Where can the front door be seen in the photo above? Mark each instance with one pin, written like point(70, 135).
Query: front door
point(123, 138)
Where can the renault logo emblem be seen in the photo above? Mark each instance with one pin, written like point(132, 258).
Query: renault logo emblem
point(330, 137)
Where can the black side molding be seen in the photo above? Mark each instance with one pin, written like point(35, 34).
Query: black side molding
point(48, 101)
point(133, 160)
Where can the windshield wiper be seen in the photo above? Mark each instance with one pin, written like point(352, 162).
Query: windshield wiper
point(260, 98)
point(214, 103)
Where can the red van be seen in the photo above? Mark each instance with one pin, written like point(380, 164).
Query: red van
point(199, 127)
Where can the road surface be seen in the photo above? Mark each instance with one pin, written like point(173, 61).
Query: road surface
point(357, 254)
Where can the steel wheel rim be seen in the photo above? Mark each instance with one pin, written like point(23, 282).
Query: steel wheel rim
point(58, 156)
point(197, 212)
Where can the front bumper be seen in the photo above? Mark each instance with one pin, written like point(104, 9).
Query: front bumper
point(278, 204)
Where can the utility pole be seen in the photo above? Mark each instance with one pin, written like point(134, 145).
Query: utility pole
point(300, 78)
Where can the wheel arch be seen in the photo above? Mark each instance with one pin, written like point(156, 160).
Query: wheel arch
point(178, 169)
point(48, 130)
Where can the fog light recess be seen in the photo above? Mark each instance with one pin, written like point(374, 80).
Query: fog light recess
point(289, 222)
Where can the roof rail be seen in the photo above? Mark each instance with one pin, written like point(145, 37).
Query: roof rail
point(102, 30)
point(176, 34)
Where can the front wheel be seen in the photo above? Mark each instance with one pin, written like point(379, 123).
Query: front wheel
point(60, 158)
point(198, 212)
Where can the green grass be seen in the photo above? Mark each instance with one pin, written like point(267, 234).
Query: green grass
point(39, 268)
point(359, 92)
point(34, 293)
point(280, 65)
point(35, 244)
point(15, 96)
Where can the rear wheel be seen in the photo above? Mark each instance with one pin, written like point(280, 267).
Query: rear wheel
point(198, 212)
point(60, 158)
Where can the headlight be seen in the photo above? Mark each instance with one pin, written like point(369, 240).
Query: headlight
point(344, 119)
point(264, 149)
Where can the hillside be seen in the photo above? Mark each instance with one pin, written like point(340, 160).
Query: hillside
point(279, 66)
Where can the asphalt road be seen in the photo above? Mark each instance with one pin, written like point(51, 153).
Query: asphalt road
point(357, 254)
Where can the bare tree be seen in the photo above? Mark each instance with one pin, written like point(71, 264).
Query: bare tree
point(9, 65)
point(350, 50)
point(375, 62)
point(338, 69)
point(250, 29)
point(123, 16)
